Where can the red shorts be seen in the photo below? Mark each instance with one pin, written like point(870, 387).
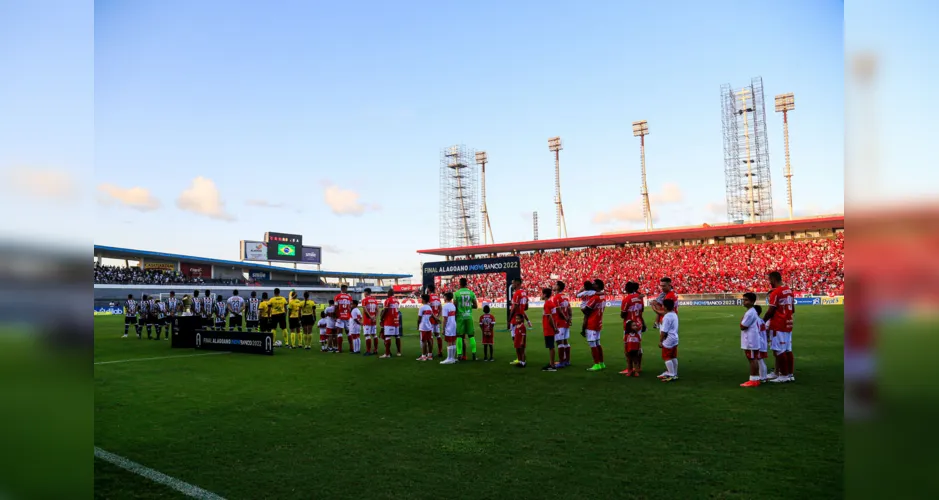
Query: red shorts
point(323, 338)
point(451, 339)
point(633, 349)
point(752, 353)
point(763, 354)
point(519, 340)
point(669, 353)
point(426, 336)
point(487, 339)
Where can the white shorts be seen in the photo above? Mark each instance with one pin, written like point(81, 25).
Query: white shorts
point(369, 330)
point(593, 336)
point(330, 325)
point(391, 331)
point(782, 341)
point(355, 329)
point(562, 334)
point(342, 324)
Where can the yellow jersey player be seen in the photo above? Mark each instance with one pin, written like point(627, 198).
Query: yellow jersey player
point(307, 319)
point(278, 306)
point(264, 313)
point(293, 307)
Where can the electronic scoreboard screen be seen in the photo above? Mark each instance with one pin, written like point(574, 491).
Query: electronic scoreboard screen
point(284, 247)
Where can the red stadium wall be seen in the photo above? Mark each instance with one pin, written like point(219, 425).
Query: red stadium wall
point(195, 270)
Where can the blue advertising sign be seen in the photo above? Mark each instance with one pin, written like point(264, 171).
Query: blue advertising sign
point(312, 255)
point(808, 301)
point(259, 275)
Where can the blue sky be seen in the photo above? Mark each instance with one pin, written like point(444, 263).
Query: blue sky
point(296, 105)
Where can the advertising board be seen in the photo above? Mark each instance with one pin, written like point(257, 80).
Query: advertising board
point(283, 247)
point(253, 250)
point(311, 255)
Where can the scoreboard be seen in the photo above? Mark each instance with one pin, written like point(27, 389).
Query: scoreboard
point(284, 246)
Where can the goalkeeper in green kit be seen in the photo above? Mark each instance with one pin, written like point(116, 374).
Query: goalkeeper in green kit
point(465, 301)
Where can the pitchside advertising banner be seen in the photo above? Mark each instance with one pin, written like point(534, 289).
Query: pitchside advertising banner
point(246, 342)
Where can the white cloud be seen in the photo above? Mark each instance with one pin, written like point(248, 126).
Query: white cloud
point(137, 198)
point(264, 204)
point(632, 211)
point(56, 185)
point(203, 198)
point(346, 201)
point(332, 249)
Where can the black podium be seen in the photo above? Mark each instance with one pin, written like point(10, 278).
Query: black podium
point(192, 335)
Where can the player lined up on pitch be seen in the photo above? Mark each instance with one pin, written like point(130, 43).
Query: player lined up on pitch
point(451, 323)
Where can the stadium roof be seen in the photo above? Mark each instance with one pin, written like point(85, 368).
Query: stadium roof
point(682, 233)
point(129, 253)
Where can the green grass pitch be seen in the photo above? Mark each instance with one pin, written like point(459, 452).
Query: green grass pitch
point(303, 424)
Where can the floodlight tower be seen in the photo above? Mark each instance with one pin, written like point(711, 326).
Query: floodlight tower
point(534, 224)
point(784, 104)
point(481, 159)
point(744, 96)
point(641, 130)
point(554, 144)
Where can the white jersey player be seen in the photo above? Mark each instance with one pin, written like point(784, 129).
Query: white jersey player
point(448, 311)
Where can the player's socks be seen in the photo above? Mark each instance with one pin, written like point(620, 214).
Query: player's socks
point(762, 370)
point(473, 345)
point(387, 347)
point(149, 331)
point(439, 346)
point(459, 348)
point(790, 363)
point(600, 354)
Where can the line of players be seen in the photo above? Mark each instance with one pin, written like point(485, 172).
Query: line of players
point(758, 335)
point(296, 320)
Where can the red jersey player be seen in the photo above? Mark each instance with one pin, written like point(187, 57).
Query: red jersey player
point(487, 323)
point(631, 311)
point(561, 313)
point(548, 327)
point(343, 308)
point(517, 314)
point(369, 320)
point(594, 311)
point(435, 307)
point(667, 293)
point(779, 318)
point(389, 321)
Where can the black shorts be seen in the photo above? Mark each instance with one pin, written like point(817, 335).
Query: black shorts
point(234, 320)
point(251, 325)
point(308, 320)
point(265, 324)
point(153, 320)
point(130, 320)
point(294, 323)
point(220, 323)
point(278, 320)
point(207, 322)
point(549, 342)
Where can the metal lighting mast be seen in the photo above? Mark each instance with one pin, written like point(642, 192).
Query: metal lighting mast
point(534, 224)
point(744, 96)
point(641, 129)
point(481, 159)
point(784, 104)
point(554, 144)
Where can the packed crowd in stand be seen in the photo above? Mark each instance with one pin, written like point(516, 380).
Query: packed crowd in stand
point(137, 276)
point(811, 267)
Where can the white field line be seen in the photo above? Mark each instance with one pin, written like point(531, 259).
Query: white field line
point(160, 357)
point(156, 476)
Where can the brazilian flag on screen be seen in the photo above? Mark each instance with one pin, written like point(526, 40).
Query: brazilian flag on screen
point(286, 250)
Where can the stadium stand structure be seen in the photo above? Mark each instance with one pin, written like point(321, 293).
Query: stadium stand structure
point(706, 259)
point(169, 268)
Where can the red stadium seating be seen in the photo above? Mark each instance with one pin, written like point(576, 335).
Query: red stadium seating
point(809, 267)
